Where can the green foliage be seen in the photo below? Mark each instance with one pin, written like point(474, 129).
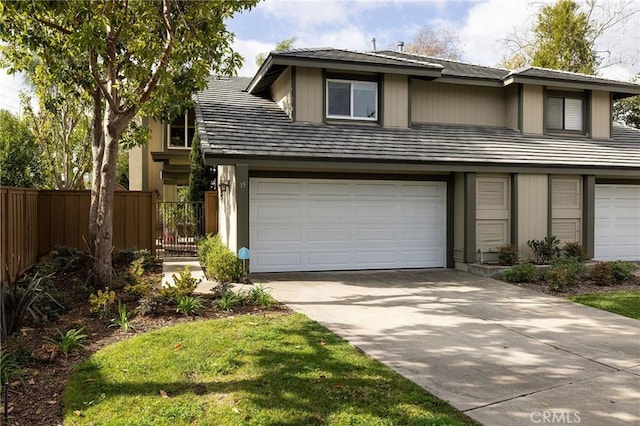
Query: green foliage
point(625, 303)
point(101, 302)
point(564, 272)
point(508, 255)
point(260, 295)
point(282, 45)
point(19, 154)
point(183, 285)
point(67, 342)
point(199, 181)
point(574, 250)
point(123, 318)
point(627, 110)
point(623, 270)
point(9, 367)
point(562, 39)
point(602, 274)
point(524, 272)
point(19, 301)
point(149, 305)
point(189, 305)
point(219, 262)
point(229, 300)
point(545, 250)
point(127, 256)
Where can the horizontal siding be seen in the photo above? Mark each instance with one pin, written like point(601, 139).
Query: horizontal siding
point(433, 102)
point(493, 207)
point(566, 208)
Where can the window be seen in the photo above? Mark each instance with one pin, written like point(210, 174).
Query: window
point(352, 99)
point(565, 113)
point(181, 130)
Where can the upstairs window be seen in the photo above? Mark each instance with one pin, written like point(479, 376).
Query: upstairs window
point(565, 113)
point(357, 100)
point(181, 130)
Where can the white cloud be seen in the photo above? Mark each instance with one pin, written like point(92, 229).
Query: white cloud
point(10, 85)
point(249, 49)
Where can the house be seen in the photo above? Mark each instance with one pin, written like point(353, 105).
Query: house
point(331, 159)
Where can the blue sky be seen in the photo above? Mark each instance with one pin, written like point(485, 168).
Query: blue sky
point(350, 24)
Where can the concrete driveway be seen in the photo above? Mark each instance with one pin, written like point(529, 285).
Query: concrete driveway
point(502, 354)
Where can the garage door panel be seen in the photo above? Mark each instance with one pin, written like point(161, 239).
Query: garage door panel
point(617, 222)
point(363, 225)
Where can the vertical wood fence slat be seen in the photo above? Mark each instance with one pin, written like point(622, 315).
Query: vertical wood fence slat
point(33, 222)
point(210, 212)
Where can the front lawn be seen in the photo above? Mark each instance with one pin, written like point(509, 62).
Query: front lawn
point(270, 369)
point(625, 303)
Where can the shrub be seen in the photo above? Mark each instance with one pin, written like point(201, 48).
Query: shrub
point(123, 318)
point(69, 341)
point(602, 274)
point(574, 250)
point(525, 272)
point(127, 256)
point(260, 295)
point(189, 305)
point(508, 255)
point(19, 301)
point(545, 250)
point(183, 285)
point(228, 301)
point(101, 302)
point(220, 263)
point(622, 270)
point(564, 272)
point(149, 305)
point(9, 367)
point(142, 287)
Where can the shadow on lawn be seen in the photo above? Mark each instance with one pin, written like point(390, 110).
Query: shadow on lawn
point(307, 384)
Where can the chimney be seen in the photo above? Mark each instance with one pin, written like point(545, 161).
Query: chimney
point(400, 46)
point(373, 43)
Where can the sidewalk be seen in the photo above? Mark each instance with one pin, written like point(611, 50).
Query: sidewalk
point(172, 265)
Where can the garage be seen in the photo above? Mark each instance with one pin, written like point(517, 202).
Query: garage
point(334, 224)
point(617, 222)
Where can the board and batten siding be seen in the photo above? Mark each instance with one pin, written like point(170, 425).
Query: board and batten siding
point(533, 201)
point(395, 112)
point(282, 93)
point(512, 105)
point(433, 102)
point(566, 208)
point(532, 109)
point(309, 95)
point(493, 211)
point(600, 114)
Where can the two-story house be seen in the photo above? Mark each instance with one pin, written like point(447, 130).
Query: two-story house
point(337, 160)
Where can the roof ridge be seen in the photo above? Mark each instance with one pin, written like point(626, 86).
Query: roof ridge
point(411, 61)
point(532, 67)
point(455, 61)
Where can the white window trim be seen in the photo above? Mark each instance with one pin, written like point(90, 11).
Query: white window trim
point(351, 83)
point(186, 134)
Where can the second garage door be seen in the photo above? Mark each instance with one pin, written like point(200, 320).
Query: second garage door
point(617, 216)
point(327, 224)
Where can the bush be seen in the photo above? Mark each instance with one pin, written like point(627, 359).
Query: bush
point(260, 295)
point(9, 367)
point(101, 302)
point(189, 305)
point(149, 305)
point(508, 255)
point(220, 263)
point(622, 270)
point(125, 257)
point(545, 250)
point(574, 250)
point(525, 272)
point(564, 272)
point(602, 274)
point(183, 285)
point(69, 341)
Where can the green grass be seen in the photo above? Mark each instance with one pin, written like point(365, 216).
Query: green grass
point(268, 370)
point(625, 303)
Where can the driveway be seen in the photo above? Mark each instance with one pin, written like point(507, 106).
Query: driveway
point(502, 354)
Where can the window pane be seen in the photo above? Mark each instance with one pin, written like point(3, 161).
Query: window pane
point(554, 113)
point(177, 132)
point(339, 98)
point(191, 126)
point(364, 100)
point(573, 114)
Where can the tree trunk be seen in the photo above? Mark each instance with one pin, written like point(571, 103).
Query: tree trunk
point(97, 153)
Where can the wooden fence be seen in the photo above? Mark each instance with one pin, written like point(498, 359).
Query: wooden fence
point(34, 222)
point(210, 212)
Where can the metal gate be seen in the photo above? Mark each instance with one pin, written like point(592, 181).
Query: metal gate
point(180, 224)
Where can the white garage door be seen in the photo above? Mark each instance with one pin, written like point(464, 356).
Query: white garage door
point(617, 217)
point(320, 225)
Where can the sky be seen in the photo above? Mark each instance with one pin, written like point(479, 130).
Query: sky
point(351, 24)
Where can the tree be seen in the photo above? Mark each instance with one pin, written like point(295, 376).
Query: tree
point(18, 153)
point(439, 43)
point(129, 58)
point(627, 110)
point(285, 44)
point(564, 36)
point(198, 177)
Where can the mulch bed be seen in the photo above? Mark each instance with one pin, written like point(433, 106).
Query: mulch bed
point(35, 398)
point(585, 287)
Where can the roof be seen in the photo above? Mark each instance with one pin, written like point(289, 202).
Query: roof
point(235, 124)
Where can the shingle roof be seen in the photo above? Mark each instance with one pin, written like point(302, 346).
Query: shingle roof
point(545, 73)
point(234, 123)
point(377, 58)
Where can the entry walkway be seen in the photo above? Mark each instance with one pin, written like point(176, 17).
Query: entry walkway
point(172, 265)
point(502, 354)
